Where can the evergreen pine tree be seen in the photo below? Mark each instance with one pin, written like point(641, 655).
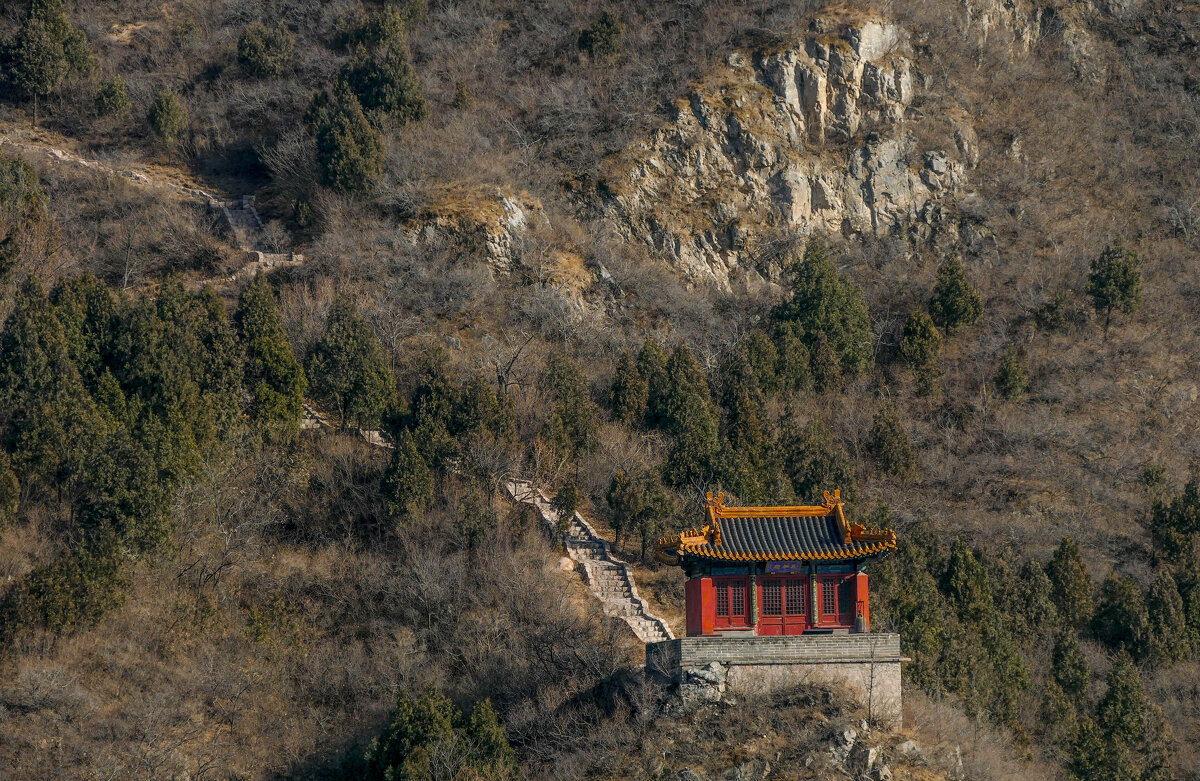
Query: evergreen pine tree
point(1034, 607)
point(89, 317)
point(1121, 714)
point(112, 99)
point(273, 377)
point(1121, 621)
point(690, 418)
point(1072, 584)
point(266, 51)
point(630, 392)
point(565, 504)
point(1115, 282)
point(349, 150)
point(1089, 752)
point(794, 364)
point(168, 116)
point(889, 445)
point(10, 491)
point(573, 407)
point(347, 370)
point(37, 62)
point(408, 482)
point(1172, 638)
point(966, 583)
point(1069, 667)
point(481, 411)
point(1175, 522)
point(386, 83)
point(626, 503)
point(652, 366)
point(490, 755)
point(432, 408)
point(1010, 378)
point(761, 354)
point(815, 462)
point(419, 723)
point(603, 39)
point(74, 42)
point(955, 302)
point(921, 347)
point(825, 304)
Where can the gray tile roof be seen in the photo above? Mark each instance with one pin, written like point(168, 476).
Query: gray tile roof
point(786, 537)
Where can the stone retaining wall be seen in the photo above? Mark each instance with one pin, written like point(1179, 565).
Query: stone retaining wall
point(707, 667)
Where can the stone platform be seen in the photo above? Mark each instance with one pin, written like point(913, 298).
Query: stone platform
point(707, 667)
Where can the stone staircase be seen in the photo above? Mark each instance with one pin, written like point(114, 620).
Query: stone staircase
point(609, 578)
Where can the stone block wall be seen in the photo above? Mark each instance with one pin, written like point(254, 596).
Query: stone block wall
point(706, 667)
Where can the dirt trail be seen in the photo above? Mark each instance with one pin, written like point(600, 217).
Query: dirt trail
point(241, 219)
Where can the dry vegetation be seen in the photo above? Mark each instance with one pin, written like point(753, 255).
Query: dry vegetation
point(271, 635)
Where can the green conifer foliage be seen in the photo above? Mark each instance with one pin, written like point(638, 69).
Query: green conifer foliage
point(955, 302)
point(794, 363)
point(1073, 589)
point(50, 417)
point(74, 590)
point(428, 738)
point(266, 51)
point(273, 377)
point(73, 41)
point(418, 724)
point(168, 116)
point(37, 62)
point(349, 148)
point(1089, 752)
point(603, 39)
point(816, 462)
point(889, 445)
point(625, 504)
point(347, 370)
point(1010, 377)
point(491, 755)
point(1121, 713)
point(1069, 667)
point(1121, 621)
point(1059, 714)
point(763, 357)
point(652, 366)
point(432, 409)
point(385, 83)
point(408, 482)
point(565, 504)
point(1115, 282)
point(920, 342)
point(1175, 522)
point(1034, 607)
point(1172, 638)
point(572, 404)
point(10, 491)
point(690, 418)
point(481, 411)
point(825, 305)
point(89, 317)
point(112, 99)
point(966, 583)
point(630, 392)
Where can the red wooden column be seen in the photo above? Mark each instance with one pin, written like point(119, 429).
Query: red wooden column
point(862, 605)
point(701, 605)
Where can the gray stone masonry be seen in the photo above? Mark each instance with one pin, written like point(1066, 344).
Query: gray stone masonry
point(609, 578)
point(868, 664)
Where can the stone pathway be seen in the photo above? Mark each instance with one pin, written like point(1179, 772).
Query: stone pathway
point(609, 578)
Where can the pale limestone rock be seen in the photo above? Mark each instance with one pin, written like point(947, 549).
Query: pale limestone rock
point(808, 138)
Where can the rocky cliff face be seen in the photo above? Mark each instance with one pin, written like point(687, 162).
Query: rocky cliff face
point(811, 137)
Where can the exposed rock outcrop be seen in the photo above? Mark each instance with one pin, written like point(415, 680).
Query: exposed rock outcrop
point(809, 138)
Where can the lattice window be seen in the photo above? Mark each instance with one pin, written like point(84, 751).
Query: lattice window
point(737, 599)
point(795, 598)
point(723, 600)
point(829, 600)
point(772, 598)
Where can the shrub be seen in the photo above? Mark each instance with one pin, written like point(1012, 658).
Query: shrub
point(1010, 377)
point(920, 342)
point(264, 51)
point(889, 445)
point(349, 149)
point(347, 369)
point(955, 302)
point(603, 38)
point(1115, 282)
point(408, 482)
point(112, 99)
point(168, 116)
point(386, 83)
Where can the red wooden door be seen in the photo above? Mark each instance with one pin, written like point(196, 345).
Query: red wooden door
point(835, 600)
point(783, 606)
point(733, 603)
